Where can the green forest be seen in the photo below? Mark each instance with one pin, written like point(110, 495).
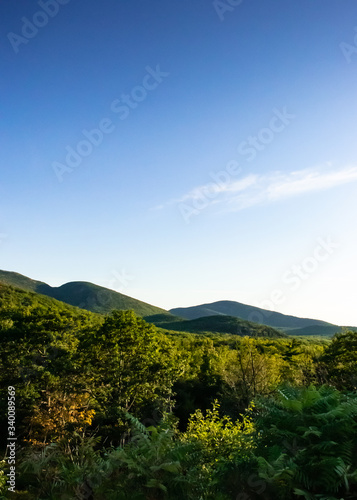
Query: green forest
point(109, 406)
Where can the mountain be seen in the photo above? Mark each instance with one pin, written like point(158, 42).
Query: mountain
point(19, 281)
point(82, 294)
point(14, 298)
point(218, 316)
point(216, 324)
point(289, 324)
point(26, 298)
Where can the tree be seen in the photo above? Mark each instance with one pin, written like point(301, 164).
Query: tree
point(338, 365)
point(250, 372)
point(130, 366)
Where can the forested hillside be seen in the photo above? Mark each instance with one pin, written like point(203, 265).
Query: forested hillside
point(291, 325)
point(111, 407)
point(222, 317)
point(216, 324)
point(82, 294)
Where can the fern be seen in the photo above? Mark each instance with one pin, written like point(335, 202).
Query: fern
point(315, 429)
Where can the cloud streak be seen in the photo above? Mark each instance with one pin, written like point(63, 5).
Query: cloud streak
point(262, 189)
point(278, 186)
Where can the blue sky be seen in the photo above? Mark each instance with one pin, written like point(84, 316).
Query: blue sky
point(183, 152)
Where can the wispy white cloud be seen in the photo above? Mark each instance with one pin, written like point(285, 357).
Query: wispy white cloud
point(309, 180)
point(278, 186)
point(256, 189)
point(212, 190)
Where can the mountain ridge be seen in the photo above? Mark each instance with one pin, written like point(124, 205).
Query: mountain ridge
point(98, 299)
point(218, 324)
point(82, 294)
point(293, 325)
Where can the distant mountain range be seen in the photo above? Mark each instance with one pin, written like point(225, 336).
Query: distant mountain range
point(216, 324)
point(221, 317)
point(289, 324)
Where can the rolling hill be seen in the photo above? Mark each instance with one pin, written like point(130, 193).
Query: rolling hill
point(217, 324)
point(14, 298)
point(21, 299)
point(82, 294)
point(222, 316)
point(289, 324)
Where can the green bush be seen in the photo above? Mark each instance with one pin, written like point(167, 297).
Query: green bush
point(307, 443)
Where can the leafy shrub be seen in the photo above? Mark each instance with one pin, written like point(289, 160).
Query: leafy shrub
point(308, 443)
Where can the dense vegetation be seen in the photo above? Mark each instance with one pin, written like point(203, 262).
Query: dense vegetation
point(111, 407)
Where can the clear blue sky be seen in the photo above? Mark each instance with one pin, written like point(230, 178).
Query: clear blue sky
point(226, 167)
